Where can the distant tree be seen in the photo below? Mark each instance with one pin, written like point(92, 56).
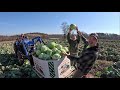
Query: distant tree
point(64, 27)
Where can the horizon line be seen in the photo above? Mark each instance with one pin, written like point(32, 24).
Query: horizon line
point(50, 33)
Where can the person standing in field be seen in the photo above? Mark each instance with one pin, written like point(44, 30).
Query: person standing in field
point(16, 43)
point(73, 41)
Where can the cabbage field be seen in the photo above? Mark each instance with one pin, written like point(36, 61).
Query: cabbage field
point(9, 66)
point(109, 53)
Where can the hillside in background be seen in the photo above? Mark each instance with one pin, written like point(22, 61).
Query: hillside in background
point(29, 35)
point(46, 36)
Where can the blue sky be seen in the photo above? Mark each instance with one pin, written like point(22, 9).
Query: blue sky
point(50, 22)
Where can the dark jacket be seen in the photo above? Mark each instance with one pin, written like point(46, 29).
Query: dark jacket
point(89, 50)
point(73, 45)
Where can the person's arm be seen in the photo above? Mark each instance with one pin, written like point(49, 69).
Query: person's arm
point(78, 36)
point(43, 42)
point(65, 54)
point(83, 38)
point(68, 35)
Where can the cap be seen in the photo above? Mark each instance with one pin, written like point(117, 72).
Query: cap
point(73, 34)
point(95, 35)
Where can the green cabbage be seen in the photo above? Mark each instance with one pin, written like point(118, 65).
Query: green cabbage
point(51, 45)
point(41, 56)
point(73, 26)
point(63, 50)
point(66, 49)
point(56, 56)
point(49, 52)
point(58, 46)
point(54, 50)
point(38, 52)
point(44, 48)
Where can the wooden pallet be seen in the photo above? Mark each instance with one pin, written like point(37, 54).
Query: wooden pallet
point(68, 76)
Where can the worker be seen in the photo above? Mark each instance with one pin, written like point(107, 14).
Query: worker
point(73, 41)
point(22, 36)
point(16, 43)
point(26, 37)
point(88, 56)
